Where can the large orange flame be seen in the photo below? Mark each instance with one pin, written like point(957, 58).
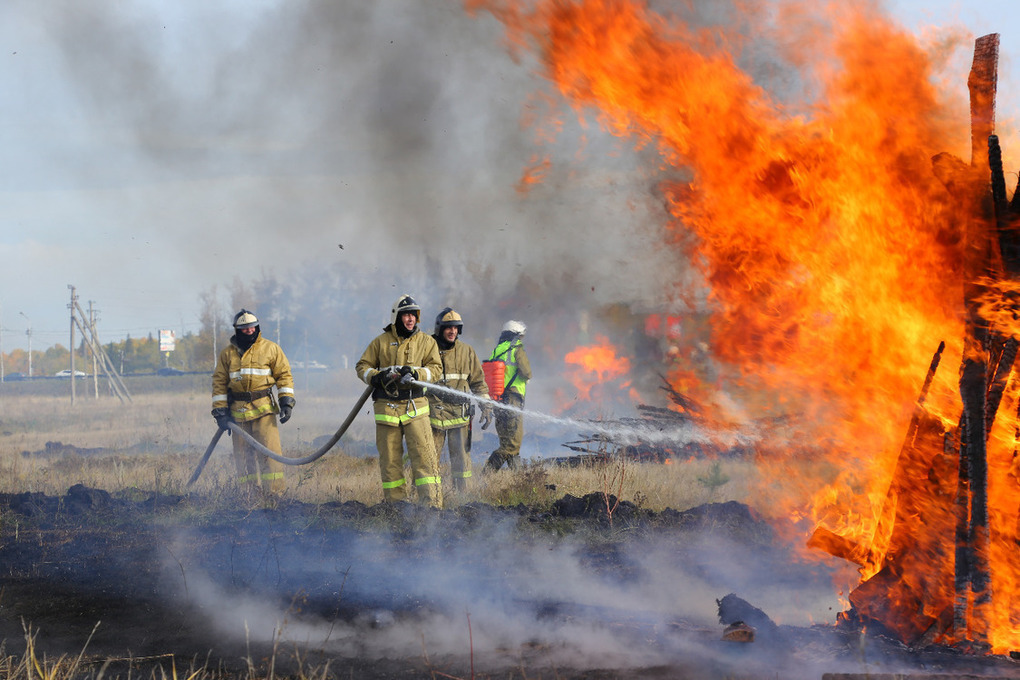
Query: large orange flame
point(595, 364)
point(831, 251)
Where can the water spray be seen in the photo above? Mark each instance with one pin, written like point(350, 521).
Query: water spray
point(627, 434)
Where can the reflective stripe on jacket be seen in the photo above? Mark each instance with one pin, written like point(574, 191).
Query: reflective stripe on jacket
point(420, 352)
point(518, 368)
point(259, 368)
point(462, 370)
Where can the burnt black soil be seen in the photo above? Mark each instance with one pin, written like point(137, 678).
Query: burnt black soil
point(154, 581)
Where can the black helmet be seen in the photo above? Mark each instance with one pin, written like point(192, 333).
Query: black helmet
point(448, 317)
point(245, 319)
point(405, 303)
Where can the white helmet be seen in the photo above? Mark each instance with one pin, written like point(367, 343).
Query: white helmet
point(404, 303)
point(515, 327)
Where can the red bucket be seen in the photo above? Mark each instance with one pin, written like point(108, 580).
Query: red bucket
point(495, 373)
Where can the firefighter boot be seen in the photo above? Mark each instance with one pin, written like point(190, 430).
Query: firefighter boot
point(494, 463)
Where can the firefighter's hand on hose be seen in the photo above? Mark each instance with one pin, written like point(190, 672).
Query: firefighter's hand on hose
point(382, 379)
point(286, 407)
point(223, 418)
point(407, 375)
point(486, 416)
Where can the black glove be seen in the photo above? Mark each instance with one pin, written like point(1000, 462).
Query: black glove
point(286, 407)
point(223, 418)
point(384, 379)
point(407, 375)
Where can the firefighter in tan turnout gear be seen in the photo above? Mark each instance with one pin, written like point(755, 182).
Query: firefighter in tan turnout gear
point(451, 414)
point(242, 392)
point(389, 364)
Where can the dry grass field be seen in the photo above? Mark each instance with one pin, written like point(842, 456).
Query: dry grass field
point(154, 441)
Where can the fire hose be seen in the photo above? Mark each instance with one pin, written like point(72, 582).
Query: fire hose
point(236, 430)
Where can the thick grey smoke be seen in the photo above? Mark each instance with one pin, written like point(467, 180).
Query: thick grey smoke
point(379, 141)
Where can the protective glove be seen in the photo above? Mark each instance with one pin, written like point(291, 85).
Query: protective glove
point(407, 375)
point(382, 379)
point(286, 407)
point(223, 418)
point(486, 416)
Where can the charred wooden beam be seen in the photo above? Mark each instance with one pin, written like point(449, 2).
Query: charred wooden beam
point(909, 461)
point(997, 384)
point(982, 83)
point(839, 546)
point(1009, 239)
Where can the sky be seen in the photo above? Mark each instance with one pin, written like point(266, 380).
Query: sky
point(155, 151)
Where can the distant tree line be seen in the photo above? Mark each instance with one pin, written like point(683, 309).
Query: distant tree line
point(322, 312)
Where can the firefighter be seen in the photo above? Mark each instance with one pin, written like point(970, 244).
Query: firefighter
point(510, 423)
point(400, 355)
point(242, 392)
point(450, 414)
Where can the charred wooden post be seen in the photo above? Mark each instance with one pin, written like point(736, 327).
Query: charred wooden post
point(981, 254)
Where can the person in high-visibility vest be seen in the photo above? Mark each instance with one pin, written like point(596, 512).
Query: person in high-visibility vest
point(391, 364)
point(450, 414)
point(242, 392)
point(510, 423)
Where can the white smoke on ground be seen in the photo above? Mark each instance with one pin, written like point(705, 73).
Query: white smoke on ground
point(657, 607)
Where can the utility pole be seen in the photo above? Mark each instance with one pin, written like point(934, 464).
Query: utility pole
point(29, 334)
point(71, 305)
point(93, 349)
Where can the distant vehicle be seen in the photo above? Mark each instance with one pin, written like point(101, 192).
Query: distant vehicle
point(15, 377)
point(66, 373)
point(166, 370)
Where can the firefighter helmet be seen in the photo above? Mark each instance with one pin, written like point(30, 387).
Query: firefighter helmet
point(404, 303)
point(449, 317)
point(245, 319)
point(515, 327)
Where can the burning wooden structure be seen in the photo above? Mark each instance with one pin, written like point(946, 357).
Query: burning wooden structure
point(927, 571)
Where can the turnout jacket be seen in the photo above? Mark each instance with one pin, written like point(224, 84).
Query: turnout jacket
point(243, 382)
point(462, 370)
point(421, 353)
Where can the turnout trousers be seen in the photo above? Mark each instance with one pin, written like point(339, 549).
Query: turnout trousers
point(389, 440)
point(510, 428)
point(255, 470)
point(460, 459)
